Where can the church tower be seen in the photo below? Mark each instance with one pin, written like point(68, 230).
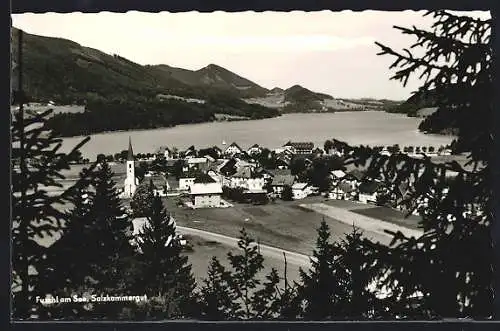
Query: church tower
point(131, 181)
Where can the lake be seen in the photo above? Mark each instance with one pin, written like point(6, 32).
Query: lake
point(367, 128)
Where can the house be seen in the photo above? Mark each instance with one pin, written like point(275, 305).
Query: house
point(254, 150)
point(205, 192)
point(190, 152)
point(337, 174)
point(213, 152)
point(228, 168)
point(159, 183)
point(185, 183)
point(369, 191)
point(233, 149)
point(343, 191)
point(353, 178)
point(165, 152)
point(283, 161)
point(196, 161)
point(248, 180)
point(303, 148)
point(281, 179)
point(301, 190)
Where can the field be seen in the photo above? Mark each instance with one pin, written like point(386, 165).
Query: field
point(286, 225)
point(204, 250)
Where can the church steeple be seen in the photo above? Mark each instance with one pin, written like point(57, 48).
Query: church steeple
point(130, 156)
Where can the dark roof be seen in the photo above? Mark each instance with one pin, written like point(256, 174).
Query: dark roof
point(369, 187)
point(356, 173)
point(283, 180)
point(130, 156)
point(243, 172)
point(279, 172)
point(204, 179)
point(300, 145)
point(255, 146)
point(158, 181)
point(229, 167)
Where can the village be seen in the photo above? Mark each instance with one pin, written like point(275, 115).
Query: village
point(213, 178)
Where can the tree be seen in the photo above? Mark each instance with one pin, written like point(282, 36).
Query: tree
point(319, 288)
point(35, 213)
point(142, 200)
point(244, 280)
point(236, 293)
point(68, 263)
point(355, 270)
point(218, 302)
point(449, 265)
point(111, 233)
point(287, 193)
point(166, 272)
point(328, 146)
point(297, 166)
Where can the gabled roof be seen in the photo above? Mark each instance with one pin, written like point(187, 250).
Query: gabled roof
point(204, 179)
point(300, 145)
point(243, 172)
point(234, 145)
point(356, 173)
point(283, 180)
point(279, 172)
point(205, 188)
point(338, 173)
point(299, 186)
point(229, 167)
point(158, 181)
point(369, 187)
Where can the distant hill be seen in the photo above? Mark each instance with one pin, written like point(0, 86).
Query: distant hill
point(213, 76)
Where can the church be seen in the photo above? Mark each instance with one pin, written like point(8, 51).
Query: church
point(131, 182)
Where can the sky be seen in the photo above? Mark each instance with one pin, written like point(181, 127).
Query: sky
point(329, 52)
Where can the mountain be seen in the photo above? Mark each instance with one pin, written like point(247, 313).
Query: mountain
point(119, 94)
point(213, 76)
point(300, 94)
point(415, 103)
point(66, 72)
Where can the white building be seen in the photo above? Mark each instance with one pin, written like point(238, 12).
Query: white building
point(186, 183)
point(233, 149)
point(205, 193)
point(301, 190)
point(196, 162)
point(255, 149)
point(369, 192)
point(131, 182)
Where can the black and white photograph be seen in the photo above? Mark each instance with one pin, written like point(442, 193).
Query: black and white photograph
point(252, 166)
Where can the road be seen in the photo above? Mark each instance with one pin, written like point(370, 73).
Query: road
point(299, 260)
point(296, 259)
